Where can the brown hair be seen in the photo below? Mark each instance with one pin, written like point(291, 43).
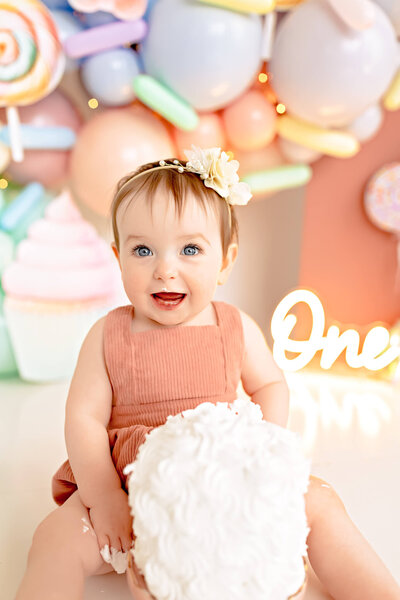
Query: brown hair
point(178, 184)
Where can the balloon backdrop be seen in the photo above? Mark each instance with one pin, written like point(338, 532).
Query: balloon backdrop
point(50, 167)
point(109, 146)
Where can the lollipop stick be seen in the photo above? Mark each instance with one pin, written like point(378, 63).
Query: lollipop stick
point(268, 35)
point(17, 150)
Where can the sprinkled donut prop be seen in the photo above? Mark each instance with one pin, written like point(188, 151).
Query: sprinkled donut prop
point(31, 60)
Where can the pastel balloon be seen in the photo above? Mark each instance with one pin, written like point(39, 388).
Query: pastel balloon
point(167, 104)
point(250, 121)
point(367, 124)
point(295, 153)
point(391, 100)
point(187, 63)
point(331, 83)
point(20, 206)
point(112, 144)
point(248, 6)
point(97, 18)
point(104, 37)
point(39, 138)
point(259, 160)
point(392, 9)
point(280, 178)
point(123, 9)
point(57, 4)
point(46, 166)
point(67, 25)
point(108, 76)
point(357, 14)
point(327, 141)
point(209, 133)
point(284, 5)
point(381, 198)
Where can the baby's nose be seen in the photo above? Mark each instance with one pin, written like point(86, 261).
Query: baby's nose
point(165, 269)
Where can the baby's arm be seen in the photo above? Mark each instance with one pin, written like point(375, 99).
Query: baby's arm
point(87, 414)
point(261, 377)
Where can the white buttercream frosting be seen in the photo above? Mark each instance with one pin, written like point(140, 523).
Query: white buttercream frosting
point(217, 498)
point(117, 559)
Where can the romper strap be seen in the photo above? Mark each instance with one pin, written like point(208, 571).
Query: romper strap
point(230, 324)
point(118, 350)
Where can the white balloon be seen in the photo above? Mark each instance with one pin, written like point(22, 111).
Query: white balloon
point(367, 124)
point(327, 73)
point(295, 153)
point(392, 9)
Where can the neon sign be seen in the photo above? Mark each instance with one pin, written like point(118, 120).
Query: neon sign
point(377, 352)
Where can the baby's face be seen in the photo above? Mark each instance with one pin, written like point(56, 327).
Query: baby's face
point(165, 251)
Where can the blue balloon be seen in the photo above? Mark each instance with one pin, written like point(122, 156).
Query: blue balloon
point(108, 76)
point(150, 6)
point(62, 4)
point(95, 19)
point(207, 55)
point(67, 24)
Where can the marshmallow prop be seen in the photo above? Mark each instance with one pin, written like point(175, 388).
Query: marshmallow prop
point(217, 499)
point(31, 63)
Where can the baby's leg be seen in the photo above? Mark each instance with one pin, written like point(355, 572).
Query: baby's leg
point(64, 552)
point(340, 556)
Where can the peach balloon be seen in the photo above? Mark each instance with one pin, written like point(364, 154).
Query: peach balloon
point(49, 167)
point(111, 145)
point(208, 134)
point(250, 121)
point(258, 160)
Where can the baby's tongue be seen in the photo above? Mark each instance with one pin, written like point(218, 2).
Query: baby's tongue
point(169, 295)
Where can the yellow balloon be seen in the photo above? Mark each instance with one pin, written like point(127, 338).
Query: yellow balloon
point(248, 6)
point(327, 141)
point(391, 100)
point(287, 4)
point(5, 157)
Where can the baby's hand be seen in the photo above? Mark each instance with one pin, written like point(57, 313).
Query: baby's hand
point(112, 521)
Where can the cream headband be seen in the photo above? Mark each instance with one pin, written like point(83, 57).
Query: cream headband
point(216, 170)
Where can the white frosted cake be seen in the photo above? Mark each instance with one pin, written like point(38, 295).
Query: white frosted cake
point(217, 498)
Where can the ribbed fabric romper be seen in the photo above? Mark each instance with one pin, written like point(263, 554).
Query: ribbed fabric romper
point(161, 372)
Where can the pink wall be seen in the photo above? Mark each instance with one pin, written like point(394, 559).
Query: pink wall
point(345, 259)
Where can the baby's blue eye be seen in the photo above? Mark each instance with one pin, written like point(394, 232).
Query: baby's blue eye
point(137, 251)
point(193, 250)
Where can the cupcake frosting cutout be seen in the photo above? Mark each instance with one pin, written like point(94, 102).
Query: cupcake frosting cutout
point(62, 259)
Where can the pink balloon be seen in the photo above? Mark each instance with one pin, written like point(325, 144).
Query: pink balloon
point(208, 134)
point(250, 121)
point(111, 145)
point(49, 167)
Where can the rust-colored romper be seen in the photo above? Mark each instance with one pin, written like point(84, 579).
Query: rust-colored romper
point(161, 372)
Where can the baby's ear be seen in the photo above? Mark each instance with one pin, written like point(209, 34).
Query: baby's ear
point(115, 250)
point(227, 263)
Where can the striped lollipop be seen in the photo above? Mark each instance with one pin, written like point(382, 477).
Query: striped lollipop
point(31, 60)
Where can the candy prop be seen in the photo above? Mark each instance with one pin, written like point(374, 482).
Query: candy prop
point(268, 35)
point(248, 6)
point(31, 61)
point(123, 9)
point(327, 141)
point(391, 100)
point(165, 102)
point(40, 138)
point(357, 14)
point(104, 37)
point(382, 204)
point(20, 206)
point(279, 178)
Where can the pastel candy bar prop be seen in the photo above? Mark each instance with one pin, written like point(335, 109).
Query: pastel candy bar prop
point(21, 206)
point(41, 138)
point(327, 141)
point(111, 35)
point(31, 61)
point(161, 99)
point(279, 178)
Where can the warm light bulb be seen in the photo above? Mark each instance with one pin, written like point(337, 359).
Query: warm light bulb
point(280, 109)
point(263, 78)
point(93, 103)
point(3, 184)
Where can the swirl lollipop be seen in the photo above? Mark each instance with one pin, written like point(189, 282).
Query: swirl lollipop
point(31, 60)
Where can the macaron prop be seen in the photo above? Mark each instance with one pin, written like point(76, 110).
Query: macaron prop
point(31, 60)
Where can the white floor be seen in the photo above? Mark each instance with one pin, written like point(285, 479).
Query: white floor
point(350, 427)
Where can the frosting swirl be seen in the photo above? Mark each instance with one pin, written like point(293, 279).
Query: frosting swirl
point(62, 259)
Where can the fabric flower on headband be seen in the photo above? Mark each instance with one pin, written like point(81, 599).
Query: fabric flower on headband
point(218, 173)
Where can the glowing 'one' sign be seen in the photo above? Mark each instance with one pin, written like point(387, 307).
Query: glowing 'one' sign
point(377, 352)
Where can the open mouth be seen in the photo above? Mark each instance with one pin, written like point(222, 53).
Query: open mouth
point(168, 299)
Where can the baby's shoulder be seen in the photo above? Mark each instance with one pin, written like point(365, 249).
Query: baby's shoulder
point(252, 332)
